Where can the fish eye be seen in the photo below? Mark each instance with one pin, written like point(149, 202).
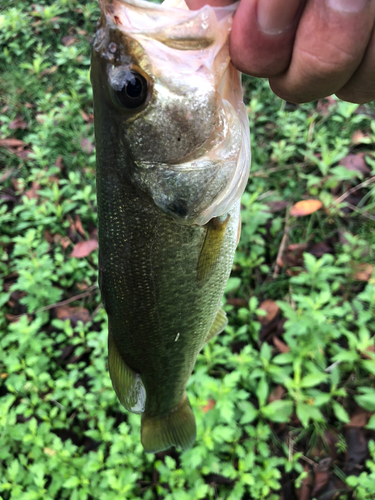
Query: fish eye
point(130, 89)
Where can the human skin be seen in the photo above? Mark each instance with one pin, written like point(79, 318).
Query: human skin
point(308, 49)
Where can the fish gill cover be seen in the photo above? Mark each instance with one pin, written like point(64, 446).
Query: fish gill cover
point(189, 51)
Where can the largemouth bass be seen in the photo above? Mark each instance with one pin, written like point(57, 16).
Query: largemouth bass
point(173, 155)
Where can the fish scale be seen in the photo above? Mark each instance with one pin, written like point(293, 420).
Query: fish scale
point(168, 220)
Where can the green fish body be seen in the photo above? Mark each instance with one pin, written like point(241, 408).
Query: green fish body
point(172, 161)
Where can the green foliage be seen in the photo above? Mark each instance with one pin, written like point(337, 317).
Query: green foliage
point(63, 432)
point(364, 484)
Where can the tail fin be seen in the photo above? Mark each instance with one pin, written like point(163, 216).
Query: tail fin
point(177, 428)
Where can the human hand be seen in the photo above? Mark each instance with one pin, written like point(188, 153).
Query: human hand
point(308, 49)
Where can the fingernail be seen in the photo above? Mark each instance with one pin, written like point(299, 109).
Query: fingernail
point(276, 16)
point(348, 5)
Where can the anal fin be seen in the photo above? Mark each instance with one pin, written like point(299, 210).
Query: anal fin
point(126, 382)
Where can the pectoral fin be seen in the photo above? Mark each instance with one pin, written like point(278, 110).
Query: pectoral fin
point(126, 382)
point(220, 322)
point(212, 245)
point(238, 230)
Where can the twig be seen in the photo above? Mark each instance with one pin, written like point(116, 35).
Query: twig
point(282, 244)
point(265, 195)
point(309, 461)
point(62, 303)
point(96, 310)
point(290, 446)
point(265, 173)
point(331, 367)
point(354, 189)
point(359, 211)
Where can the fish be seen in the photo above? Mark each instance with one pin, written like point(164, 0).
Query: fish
point(173, 156)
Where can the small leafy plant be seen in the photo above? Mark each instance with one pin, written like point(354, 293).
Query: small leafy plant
point(285, 392)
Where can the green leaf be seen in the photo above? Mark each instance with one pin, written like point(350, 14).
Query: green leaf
point(313, 379)
point(233, 284)
point(284, 359)
point(249, 412)
point(278, 411)
point(262, 391)
point(307, 412)
point(340, 413)
point(366, 401)
point(369, 365)
point(371, 423)
point(72, 482)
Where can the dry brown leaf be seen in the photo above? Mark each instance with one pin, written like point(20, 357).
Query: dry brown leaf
point(12, 318)
point(87, 145)
point(74, 314)
point(64, 241)
point(320, 480)
point(82, 286)
point(17, 185)
point(276, 206)
point(49, 71)
point(276, 394)
point(360, 138)
point(211, 403)
point(8, 172)
point(11, 143)
point(356, 163)
point(54, 179)
point(363, 271)
point(325, 105)
point(320, 248)
point(237, 302)
point(68, 40)
point(78, 226)
point(359, 418)
point(18, 123)
point(370, 349)
point(271, 309)
point(280, 345)
point(84, 248)
point(305, 207)
point(32, 193)
point(304, 492)
point(59, 162)
point(23, 153)
point(48, 236)
point(88, 118)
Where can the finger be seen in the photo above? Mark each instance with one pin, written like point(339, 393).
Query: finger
point(330, 44)
point(262, 37)
point(361, 87)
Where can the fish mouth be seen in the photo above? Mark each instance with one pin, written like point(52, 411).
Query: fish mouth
point(176, 25)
